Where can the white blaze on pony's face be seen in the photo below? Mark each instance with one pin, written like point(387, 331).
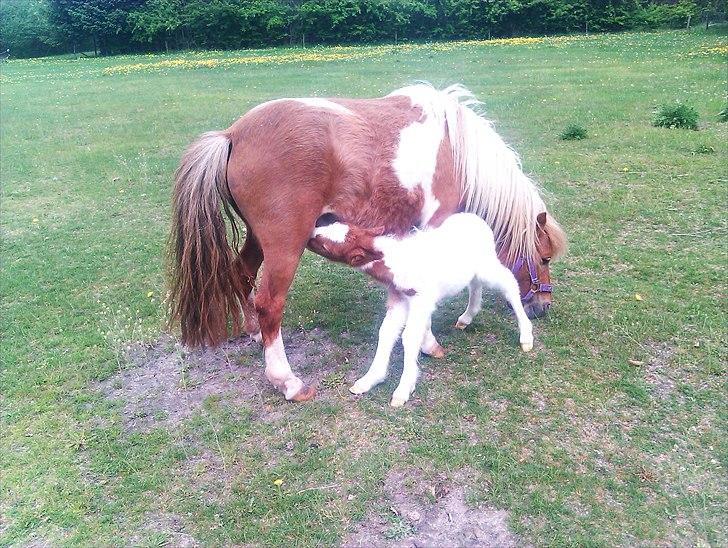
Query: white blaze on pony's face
point(416, 156)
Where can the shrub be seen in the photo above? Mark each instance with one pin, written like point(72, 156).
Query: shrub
point(678, 115)
point(573, 132)
point(704, 149)
point(723, 115)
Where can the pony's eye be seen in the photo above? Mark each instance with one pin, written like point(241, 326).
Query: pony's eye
point(546, 260)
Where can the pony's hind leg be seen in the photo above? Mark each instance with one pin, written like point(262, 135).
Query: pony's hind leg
point(389, 332)
point(475, 299)
point(250, 259)
point(500, 278)
point(270, 300)
point(430, 346)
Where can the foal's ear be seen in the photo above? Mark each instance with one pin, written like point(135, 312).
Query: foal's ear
point(357, 259)
point(378, 231)
point(541, 219)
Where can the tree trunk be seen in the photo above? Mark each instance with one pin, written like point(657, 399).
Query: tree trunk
point(688, 24)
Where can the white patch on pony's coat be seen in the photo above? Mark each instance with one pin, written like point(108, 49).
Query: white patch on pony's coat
point(336, 232)
point(416, 157)
point(493, 184)
point(317, 102)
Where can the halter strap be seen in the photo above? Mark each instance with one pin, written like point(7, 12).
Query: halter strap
point(536, 285)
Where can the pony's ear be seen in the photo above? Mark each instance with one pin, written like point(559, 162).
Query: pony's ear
point(541, 219)
point(378, 231)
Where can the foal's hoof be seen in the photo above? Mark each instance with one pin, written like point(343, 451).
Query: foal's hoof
point(460, 325)
point(437, 352)
point(357, 389)
point(527, 347)
point(304, 394)
point(397, 402)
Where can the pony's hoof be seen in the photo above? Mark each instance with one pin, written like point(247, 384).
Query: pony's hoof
point(304, 394)
point(460, 325)
point(527, 347)
point(437, 352)
point(397, 402)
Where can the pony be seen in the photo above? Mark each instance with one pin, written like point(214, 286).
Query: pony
point(419, 270)
point(411, 158)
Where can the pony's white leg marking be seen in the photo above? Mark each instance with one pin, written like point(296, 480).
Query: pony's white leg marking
point(430, 346)
point(388, 334)
point(500, 278)
point(278, 371)
point(417, 319)
point(475, 298)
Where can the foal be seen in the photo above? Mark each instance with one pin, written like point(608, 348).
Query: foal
point(419, 270)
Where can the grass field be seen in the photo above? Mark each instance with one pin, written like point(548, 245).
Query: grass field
point(613, 432)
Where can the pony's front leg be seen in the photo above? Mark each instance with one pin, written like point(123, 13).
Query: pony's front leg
point(475, 299)
point(269, 302)
point(388, 334)
point(418, 318)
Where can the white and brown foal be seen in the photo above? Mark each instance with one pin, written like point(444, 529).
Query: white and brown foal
point(419, 270)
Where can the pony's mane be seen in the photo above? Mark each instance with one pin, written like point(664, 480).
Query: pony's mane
point(493, 184)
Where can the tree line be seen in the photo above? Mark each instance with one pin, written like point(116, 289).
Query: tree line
point(41, 27)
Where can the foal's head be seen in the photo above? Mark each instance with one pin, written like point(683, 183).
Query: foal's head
point(349, 244)
point(532, 273)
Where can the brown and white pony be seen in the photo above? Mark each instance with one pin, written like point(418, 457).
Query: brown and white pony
point(411, 158)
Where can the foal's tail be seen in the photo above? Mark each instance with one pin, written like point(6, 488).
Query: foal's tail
point(206, 283)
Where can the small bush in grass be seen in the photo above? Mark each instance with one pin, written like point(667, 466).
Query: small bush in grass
point(704, 149)
point(723, 115)
point(678, 115)
point(573, 132)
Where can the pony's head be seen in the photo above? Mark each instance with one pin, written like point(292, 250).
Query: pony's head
point(348, 244)
point(532, 271)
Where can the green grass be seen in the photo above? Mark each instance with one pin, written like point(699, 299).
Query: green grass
point(579, 445)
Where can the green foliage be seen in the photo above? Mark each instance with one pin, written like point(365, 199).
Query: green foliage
point(677, 115)
point(704, 149)
point(723, 115)
point(38, 27)
point(573, 132)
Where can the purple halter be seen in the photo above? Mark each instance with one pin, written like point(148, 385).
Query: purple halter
point(536, 285)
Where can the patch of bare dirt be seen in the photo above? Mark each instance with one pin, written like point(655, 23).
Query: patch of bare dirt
point(164, 384)
point(430, 512)
point(170, 525)
point(657, 369)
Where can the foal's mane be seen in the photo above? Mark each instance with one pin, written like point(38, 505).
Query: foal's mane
point(493, 184)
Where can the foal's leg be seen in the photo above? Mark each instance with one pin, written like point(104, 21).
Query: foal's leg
point(388, 334)
point(269, 302)
point(500, 278)
point(418, 317)
point(430, 346)
point(475, 298)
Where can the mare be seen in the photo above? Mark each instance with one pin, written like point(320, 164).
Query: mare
point(419, 270)
point(411, 158)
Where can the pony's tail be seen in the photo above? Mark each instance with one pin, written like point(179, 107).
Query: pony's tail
point(205, 279)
